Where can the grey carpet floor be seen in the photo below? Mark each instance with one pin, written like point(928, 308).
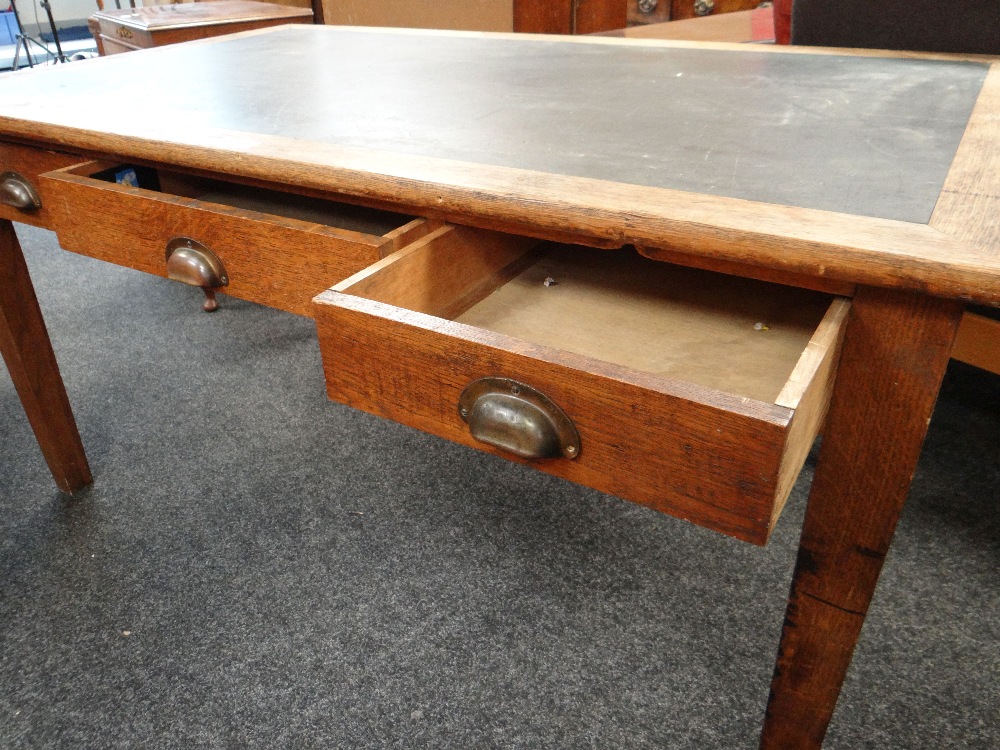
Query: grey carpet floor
point(256, 567)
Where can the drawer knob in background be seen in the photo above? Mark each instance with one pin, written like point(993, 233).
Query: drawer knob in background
point(703, 7)
point(190, 262)
point(517, 418)
point(17, 192)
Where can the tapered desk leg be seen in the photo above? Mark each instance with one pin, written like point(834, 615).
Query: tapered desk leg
point(27, 351)
point(895, 353)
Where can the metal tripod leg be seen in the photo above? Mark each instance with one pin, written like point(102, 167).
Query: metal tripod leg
point(22, 39)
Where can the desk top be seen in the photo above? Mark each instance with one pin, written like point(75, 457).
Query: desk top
point(841, 165)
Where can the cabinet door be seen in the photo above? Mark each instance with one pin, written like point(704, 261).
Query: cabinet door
point(568, 16)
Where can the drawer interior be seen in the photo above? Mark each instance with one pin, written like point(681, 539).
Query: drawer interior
point(371, 221)
point(726, 333)
point(723, 332)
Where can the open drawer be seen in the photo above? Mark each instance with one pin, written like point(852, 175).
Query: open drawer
point(275, 248)
point(695, 393)
point(20, 167)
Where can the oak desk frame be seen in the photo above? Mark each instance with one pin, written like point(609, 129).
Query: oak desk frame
point(912, 280)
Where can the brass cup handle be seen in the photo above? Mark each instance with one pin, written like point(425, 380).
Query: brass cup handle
point(16, 191)
point(517, 418)
point(190, 262)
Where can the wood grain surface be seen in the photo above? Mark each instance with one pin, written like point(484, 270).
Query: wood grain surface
point(886, 178)
point(443, 273)
point(568, 16)
point(750, 271)
point(129, 29)
point(681, 9)
point(476, 15)
point(808, 391)
point(895, 353)
point(805, 241)
point(978, 342)
point(723, 332)
point(969, 206)
point(809, 242)
point(797, 241)
point(27, 352)
point(276, 261)
point(863, 137)
point(716, 458)
point(691, 459)
point(30, 162)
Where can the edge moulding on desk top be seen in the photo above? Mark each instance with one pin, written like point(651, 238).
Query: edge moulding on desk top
point(387, 144)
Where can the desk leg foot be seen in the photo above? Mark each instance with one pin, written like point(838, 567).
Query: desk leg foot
point(895, 353)
point(27, 351)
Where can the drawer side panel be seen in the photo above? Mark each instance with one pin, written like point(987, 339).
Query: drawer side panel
point(811, 398)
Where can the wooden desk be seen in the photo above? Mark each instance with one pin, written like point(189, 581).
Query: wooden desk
point(884, 189)
point(130, 29)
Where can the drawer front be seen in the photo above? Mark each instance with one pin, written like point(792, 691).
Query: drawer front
point(115, 46)
point(681, 9)
point(658, 11)
point(648, 11)
point(126, 36)
point(718, 459)
point(274, 260)
point(26, 163)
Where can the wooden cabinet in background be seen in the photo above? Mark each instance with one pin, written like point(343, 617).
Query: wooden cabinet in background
point(533, 16)
point(131, 29)
point(657, 11)
point(569, 16)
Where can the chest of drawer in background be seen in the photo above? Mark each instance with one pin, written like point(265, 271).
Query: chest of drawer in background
point(527, 16)
point(131, 29)
point(658, 11)
point(275, 248)
point(695, 393)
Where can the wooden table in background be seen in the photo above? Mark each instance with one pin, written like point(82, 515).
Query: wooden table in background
point(911, 240)
point(130, 29)
point(740, 26)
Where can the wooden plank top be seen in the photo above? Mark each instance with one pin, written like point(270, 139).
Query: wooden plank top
point(824, 164)
point(184, 15)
